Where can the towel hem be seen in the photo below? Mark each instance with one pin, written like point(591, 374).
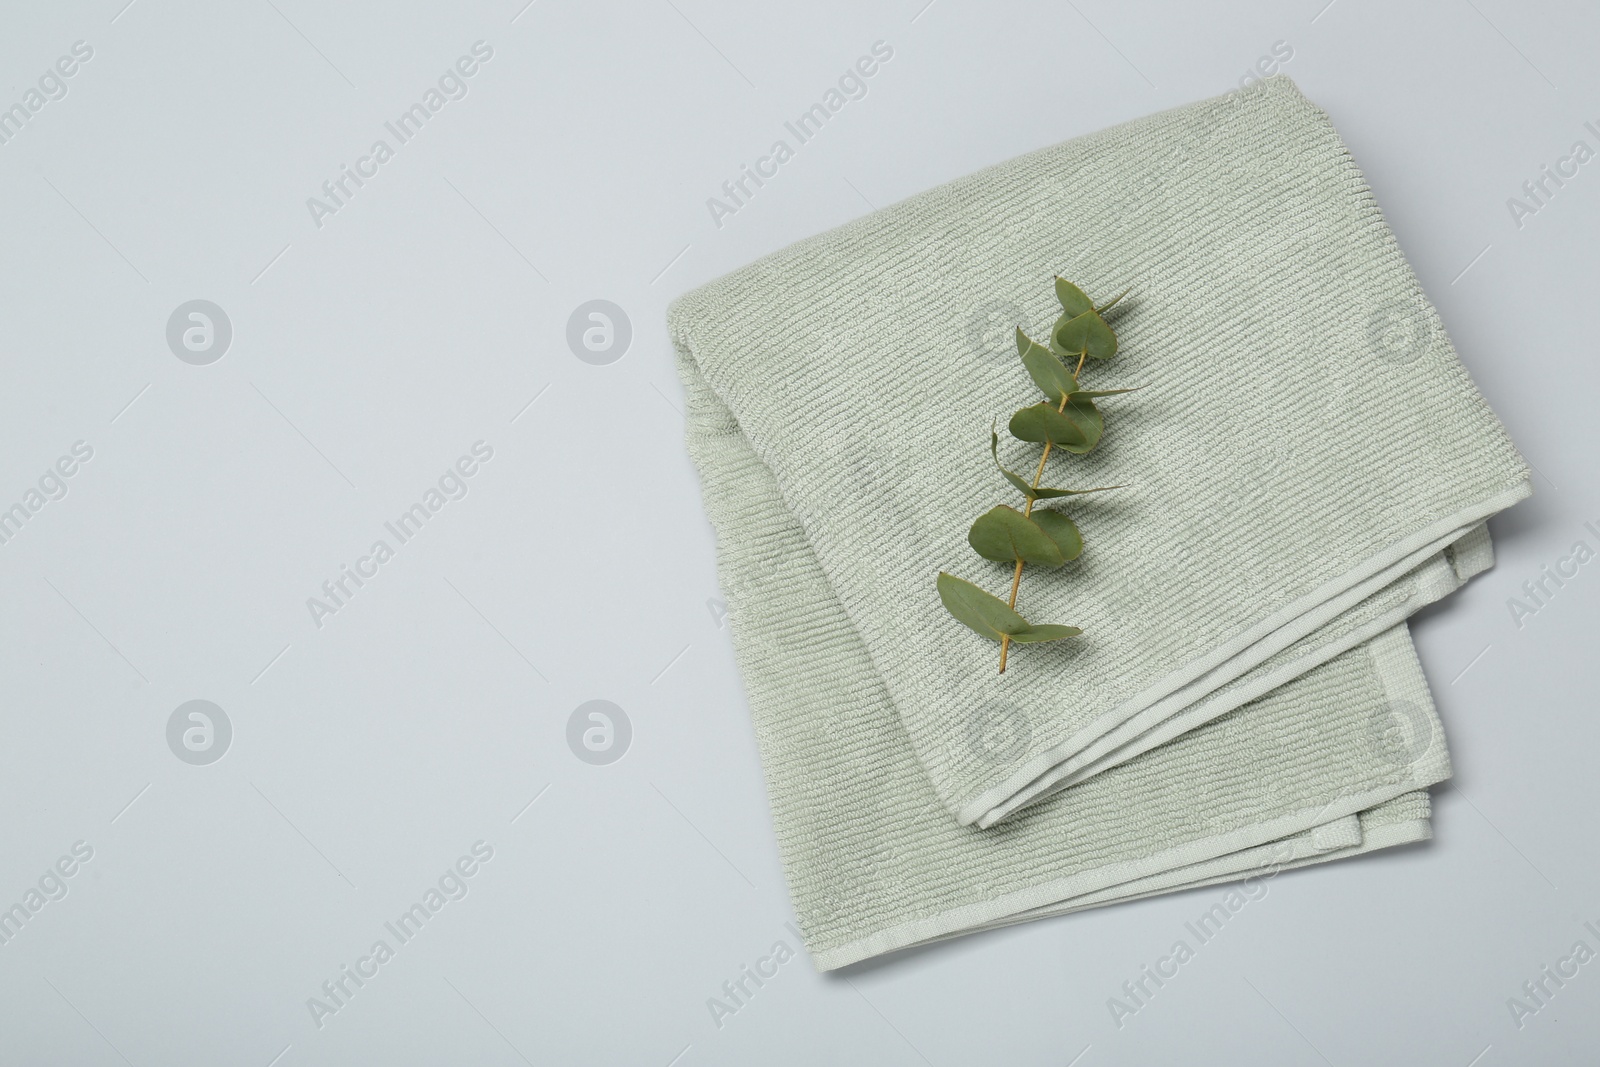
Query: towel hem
point(995, 801)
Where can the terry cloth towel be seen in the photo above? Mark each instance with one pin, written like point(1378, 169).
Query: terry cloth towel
point(1309, 464)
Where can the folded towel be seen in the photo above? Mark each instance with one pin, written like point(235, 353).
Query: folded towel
point(1308, 461)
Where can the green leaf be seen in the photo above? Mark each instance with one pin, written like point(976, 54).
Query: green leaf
point(1103, 308)
point(1035, 492)
point(1006, 535)
point(1087, 333)
point(983, 612)
point(1076, 429)
point(1054, 347)
point(1073, 300)
point(1045, 369)
point(1011, 476)
point(1042, 493)
point(1087, 417)
point(988, 615)
point(1091, 393)
point(1060, 529)
point(1038, 635)
point(1042, 422)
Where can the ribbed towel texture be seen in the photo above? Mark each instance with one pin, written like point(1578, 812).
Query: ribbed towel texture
point(1308, 464)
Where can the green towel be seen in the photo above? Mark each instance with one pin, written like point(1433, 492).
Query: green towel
point(1309, 464)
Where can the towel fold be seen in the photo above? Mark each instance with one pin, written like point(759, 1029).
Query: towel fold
point(1308, 465)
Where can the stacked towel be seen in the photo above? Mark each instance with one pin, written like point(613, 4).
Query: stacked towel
point(1308, 464)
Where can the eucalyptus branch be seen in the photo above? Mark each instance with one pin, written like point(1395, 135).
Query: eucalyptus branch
point(1069, 421)
point(1027, 512)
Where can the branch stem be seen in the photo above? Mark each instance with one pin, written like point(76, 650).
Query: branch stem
point(1016, 575)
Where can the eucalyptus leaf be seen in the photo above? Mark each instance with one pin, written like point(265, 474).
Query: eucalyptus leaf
point(1077, 428)
point(1073, 300)
point(1045, 369)
point(1082, 411)
point(1054, 347)
point(1042, 422)
point(1103, 308)
point(1045, 631)
point(1060, 529)
point(982, 612)
point(988, 616)
point(1043, 493)
point(1024, 342)
point(1006, 535)
point(1086, 334)
point(1011, 476)
point(1032, 492)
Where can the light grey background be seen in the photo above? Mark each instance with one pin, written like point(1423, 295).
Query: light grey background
point(432, 710)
